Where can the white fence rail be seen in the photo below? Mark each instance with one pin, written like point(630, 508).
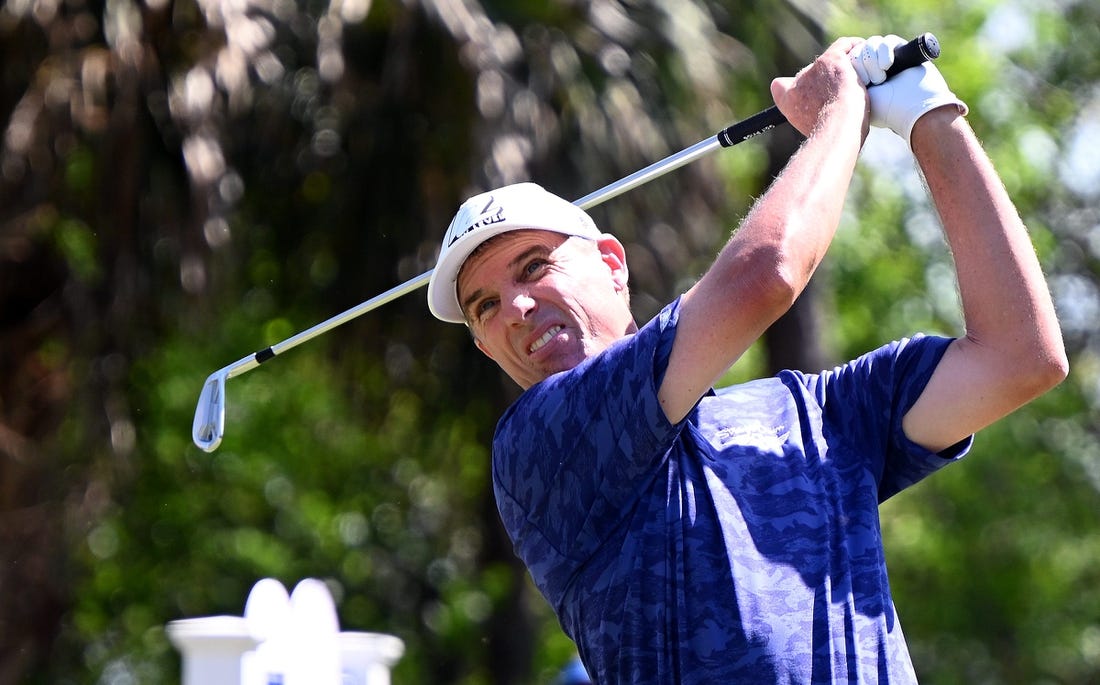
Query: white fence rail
point(282, 639)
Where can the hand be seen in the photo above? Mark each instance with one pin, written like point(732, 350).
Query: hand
point(808, 96)
point(898, 103)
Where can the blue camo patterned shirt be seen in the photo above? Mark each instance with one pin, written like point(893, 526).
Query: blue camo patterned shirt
point(741, 545)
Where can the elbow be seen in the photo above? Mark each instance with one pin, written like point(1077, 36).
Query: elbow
point(1042, 370)
point(1017, 370)
point(1055, 368)
point(1052, 363)
point(778, 284)
point(773, 254)
point(765, 275)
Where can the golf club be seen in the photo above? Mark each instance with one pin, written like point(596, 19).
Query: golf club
point(209, 424)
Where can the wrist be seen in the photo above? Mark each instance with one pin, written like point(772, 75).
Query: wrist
point(934, 126)
point(847, 112)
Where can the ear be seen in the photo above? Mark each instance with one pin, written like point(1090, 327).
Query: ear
point(614, 256)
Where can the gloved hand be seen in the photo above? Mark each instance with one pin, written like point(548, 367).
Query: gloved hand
point(898, 103)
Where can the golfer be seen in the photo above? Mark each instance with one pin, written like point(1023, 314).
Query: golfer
point(684, 534)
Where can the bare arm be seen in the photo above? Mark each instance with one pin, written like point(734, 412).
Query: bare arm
point(1012, 351)
point(768, 261)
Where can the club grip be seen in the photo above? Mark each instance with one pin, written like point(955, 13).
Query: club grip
point(921, 49)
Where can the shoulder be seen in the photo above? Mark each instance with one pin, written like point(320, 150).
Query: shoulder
point(895, 362)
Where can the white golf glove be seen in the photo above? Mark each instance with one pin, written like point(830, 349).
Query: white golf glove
point(898, 103)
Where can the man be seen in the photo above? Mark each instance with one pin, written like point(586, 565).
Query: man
point(689, 535)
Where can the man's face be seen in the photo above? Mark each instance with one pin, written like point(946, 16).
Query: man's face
point(539, 302)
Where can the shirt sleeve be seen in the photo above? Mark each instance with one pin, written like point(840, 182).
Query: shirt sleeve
point(572, 454)
point(866, 400)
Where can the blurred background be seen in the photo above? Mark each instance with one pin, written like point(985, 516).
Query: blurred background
point(183, 182)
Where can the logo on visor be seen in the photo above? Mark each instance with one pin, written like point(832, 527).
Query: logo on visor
point(490, 214)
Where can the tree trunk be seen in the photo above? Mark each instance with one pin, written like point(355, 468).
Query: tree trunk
point(795, 340)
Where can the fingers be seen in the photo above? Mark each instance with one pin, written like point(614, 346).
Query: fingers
point(872, 58)
point(884, 54)
point(856, 56)
point(867, 60)
point(844, 44)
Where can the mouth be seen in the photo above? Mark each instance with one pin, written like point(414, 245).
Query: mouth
point(546, 337)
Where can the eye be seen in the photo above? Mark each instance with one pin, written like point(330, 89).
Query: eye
point(534, 266)
point(484, 308)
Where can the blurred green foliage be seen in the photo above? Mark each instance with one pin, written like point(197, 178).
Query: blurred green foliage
point(362, 458)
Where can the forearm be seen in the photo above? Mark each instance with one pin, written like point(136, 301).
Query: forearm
point(772, 255)
point(1012, 350)
point(767, 262)
point(770, 258)
point(795, 221)
point(1004, 294)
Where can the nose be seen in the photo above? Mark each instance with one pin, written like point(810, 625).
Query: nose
point(519, 305)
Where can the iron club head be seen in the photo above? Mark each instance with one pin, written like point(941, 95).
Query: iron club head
point(209, 424)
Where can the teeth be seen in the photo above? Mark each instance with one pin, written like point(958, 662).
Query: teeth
point(546, 337)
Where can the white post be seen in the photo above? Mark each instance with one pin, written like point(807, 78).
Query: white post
point(267, 615)
point(315, 659)
point(211, 648)
point(283, 640)
point(367, 658)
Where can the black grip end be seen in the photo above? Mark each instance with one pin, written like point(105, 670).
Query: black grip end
point(929, 45)
point(921, 49)
point(264, 355)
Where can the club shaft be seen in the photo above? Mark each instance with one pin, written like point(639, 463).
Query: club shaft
point(355, 312)
point(746, 129)
point(643, 176)
point(670, 163)
point(922, 48)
